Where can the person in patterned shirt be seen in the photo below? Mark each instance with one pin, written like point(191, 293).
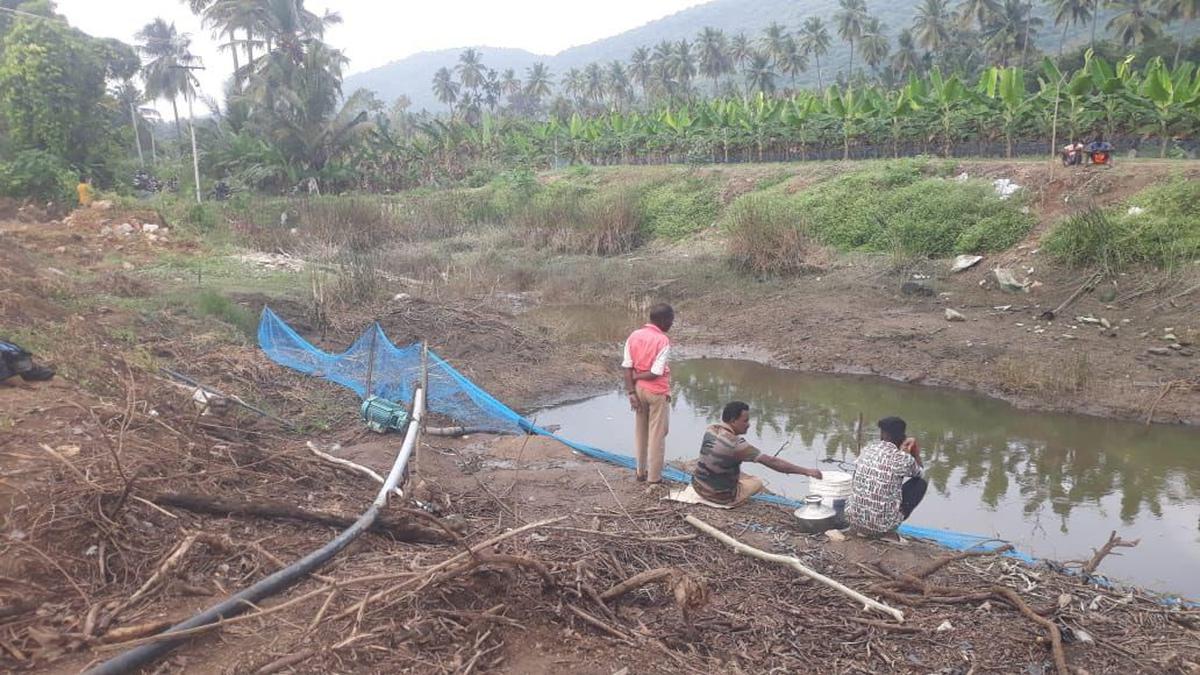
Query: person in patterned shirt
point(888, 481)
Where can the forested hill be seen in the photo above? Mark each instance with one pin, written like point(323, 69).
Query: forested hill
point(412, 76)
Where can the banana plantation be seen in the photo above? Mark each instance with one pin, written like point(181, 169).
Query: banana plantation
point(1008, 111)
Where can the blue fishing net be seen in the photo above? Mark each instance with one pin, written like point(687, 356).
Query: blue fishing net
point(375, 366)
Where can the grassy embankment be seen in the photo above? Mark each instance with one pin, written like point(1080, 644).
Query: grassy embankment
point(607, 235)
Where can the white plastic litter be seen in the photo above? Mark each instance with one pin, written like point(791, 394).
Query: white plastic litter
point(1005, 188)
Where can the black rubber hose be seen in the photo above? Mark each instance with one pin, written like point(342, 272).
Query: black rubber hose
point(280, 580)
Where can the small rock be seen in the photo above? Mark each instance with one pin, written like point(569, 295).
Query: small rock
point(1184, 352)
point(1002, 308)
point(149, 227)
point(1083, 636)
point(1020, 325)
point(1108, 294)
point(123, 229)
point(986, 606)
point(1176, 347)
point(1135, 211)
point(102, 205)
point(61, 249)
point(1105, 322)
point(1170, 337)
point(400, 297)
point(916, 289)
point(962, 177)
point(945, 626)
point(1068, 336)
point(835, 535)
point(623, 671)
point(965, 262)
point(1159, 351)
point(1007, 281)
point(1087, 319)
point(127, 266)
point(1126, 321)
point(952, 315)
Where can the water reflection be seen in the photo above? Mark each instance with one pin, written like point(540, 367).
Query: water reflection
point(1056, 484)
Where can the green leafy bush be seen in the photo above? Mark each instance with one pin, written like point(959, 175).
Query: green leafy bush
point(766, 235)
point(898, 209)
point(209, 303)
point(37, 174)
point(1160, 226)
point(677, 209)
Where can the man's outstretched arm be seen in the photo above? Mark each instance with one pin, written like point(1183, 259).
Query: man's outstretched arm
point(783, 466)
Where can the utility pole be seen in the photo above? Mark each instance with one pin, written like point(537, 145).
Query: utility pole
point(192, 128)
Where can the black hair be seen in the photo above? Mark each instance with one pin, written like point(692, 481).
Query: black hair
point(733, 410)
point(661, 314)
point(893, 428)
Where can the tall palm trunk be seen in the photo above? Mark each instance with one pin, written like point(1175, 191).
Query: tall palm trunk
point(850, 75)
point(1063, 40)
point(1095, 18)
point(820, 84)
point(249, 49)
point(195, 156)
point(175, 112)
point(237, 69)
point(137, 136)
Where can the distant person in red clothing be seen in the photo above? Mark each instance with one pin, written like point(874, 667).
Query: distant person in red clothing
point(648, 385)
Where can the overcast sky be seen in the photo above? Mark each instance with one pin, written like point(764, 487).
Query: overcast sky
point(375, 32)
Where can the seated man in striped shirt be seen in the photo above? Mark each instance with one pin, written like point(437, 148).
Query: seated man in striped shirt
point(888, 481)
point(718, 476)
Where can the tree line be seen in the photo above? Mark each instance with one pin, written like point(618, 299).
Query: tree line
point(964, 37)
point(72, 105)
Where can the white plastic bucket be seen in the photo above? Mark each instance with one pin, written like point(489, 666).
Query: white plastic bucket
point(834, 487)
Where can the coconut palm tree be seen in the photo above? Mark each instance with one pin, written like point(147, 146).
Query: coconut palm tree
point(683, 65)
point(662, 60)
point(471, 71)
point(740, 50)
point(814, 40)
point(906, 59)
point(593, 87)
point(227, 17)
point(1069, 13)
point(793, 61)
point(874, 44)
point(616, 82)
point(574, 84)
point(510, 84)
point(760, 75)
point(773, 42)
point(977, 13)
point(713, 49)
point(640, 69)
point(1136, 21)
point(131, 98)
point(1010, 30)
point(166, 53)
point(1179, 10)
point(850, 20)
point(445, 89)
point(538, 82)
point(932, 25)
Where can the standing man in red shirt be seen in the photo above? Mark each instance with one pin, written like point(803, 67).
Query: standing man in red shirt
point(648, 385)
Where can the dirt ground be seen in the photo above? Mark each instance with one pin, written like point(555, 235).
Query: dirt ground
point(97, 553)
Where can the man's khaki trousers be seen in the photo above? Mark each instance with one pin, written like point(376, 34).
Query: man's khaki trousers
point(651, 434)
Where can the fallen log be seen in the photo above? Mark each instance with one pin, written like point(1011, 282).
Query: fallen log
point(403, 530)
point(795, 564)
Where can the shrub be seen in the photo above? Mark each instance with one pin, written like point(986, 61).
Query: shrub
point(677, 209)
point(1089, 238)
point(572, 219)
point(209, 303)
point(896, 209)
point(39, 175)
point(766, 235)
point(1163, 230)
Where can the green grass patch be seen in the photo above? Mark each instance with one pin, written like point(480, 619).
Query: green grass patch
point(211, 304)
point(1160, 226)
point(676, 209)
point(896, 208)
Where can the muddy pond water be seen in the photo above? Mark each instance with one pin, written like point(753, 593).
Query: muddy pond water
point(1054, 485)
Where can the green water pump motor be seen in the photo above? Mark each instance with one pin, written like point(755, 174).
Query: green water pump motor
point(382, 415)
